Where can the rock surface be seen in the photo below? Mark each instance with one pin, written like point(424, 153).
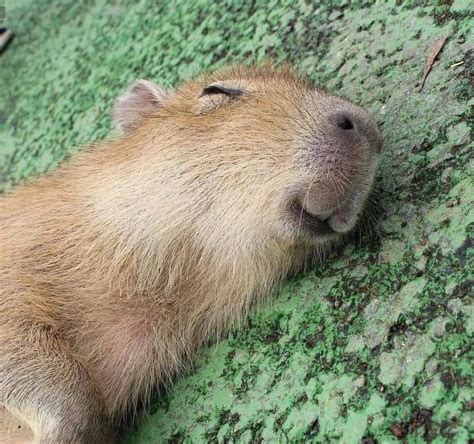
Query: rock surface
point(375, 345)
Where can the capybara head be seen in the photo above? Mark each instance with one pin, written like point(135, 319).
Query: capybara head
point(257, 153)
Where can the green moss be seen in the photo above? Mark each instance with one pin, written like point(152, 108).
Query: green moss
point(375, 344)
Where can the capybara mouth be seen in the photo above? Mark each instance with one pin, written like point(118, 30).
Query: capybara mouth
point(309, 222)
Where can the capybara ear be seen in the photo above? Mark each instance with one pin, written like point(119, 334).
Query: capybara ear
point(142, 99)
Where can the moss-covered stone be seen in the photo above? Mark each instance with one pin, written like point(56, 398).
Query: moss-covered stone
point(375, 345)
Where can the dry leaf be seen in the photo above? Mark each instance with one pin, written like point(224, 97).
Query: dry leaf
point(434, 51)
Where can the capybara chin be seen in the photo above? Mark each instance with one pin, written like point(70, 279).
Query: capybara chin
point(116, 267)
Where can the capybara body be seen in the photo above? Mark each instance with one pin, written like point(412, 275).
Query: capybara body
point(116, 267)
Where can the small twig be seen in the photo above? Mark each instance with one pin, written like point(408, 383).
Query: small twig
point(5, 38)
point(434, 51)
point(457, 64)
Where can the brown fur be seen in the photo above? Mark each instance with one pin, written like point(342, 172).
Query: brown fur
point(119, 265)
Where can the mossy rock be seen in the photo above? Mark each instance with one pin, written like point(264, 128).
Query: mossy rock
point(374, 345)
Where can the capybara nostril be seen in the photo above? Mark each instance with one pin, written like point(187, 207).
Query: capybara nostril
point(345, 123)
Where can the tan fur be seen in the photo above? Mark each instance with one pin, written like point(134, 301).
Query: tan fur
point(119, 265)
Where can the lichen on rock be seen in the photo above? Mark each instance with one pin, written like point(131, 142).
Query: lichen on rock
point(374, 345)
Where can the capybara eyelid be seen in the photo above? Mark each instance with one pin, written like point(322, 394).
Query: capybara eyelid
point(214, 89)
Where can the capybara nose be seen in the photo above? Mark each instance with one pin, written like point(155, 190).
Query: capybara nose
point(345, 122)
point(353, 124)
